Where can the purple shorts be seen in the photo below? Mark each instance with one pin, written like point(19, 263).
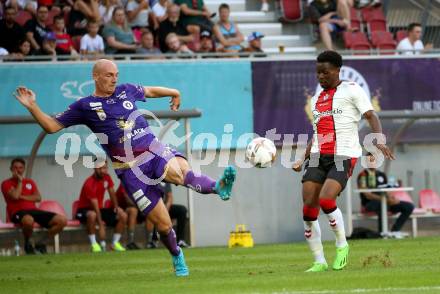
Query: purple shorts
point(137, 181)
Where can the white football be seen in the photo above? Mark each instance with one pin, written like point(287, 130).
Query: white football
point(261, 152)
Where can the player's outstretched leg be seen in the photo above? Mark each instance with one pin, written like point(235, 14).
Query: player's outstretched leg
point(312, 232)
point(161, 219)
point(336, 222)
point(180, 173)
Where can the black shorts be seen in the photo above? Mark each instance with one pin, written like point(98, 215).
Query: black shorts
point(339, 168)
point(107, 215)
point(41, 217)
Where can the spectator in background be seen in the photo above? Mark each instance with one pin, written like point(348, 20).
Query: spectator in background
point(173, 25)
point(36, 29)
point(11, 33)
point(82, 11)
point(21, 194)
point(133, 215)
point(118, 35)
point(91, 211)
point(373, 178)
point(27, 5)
point(49, 45)
point(413, 45)
point(160, 10)
point(206, 42)
point(64, 44)
point(92, 43)
point(332, 16)
point(195, 16)
point(22, 51)
point(138, 12)
point(226, 32)
point(264, 6)
point(254, 41)
point(175, 46)
point(147, 46)
point(106, 10)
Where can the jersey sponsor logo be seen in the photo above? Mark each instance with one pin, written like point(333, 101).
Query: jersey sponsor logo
point(132, 134)
point(122, 95)
point(29, 186)
point(97, 106)
point(318, 115)
point(127, 105)
point(110, 101)
point(143, 202)
point(138, 194)
point(124, 124)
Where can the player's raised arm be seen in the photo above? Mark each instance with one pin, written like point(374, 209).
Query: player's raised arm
point(27, 98)
point(158, 92)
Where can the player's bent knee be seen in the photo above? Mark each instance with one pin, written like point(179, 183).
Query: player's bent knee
point(60, 220)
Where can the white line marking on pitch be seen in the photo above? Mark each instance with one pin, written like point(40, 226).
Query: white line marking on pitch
point(358, 290)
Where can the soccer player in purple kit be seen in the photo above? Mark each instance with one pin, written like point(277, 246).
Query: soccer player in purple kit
point(108, 112)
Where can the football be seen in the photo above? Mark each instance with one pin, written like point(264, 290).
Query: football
point(261, 152)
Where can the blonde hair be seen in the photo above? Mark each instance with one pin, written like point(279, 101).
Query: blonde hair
point(125, 26)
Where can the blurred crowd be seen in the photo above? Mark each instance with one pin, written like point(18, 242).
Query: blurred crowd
point(148, 28)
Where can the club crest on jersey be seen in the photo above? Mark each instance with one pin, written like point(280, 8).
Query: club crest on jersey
point(97, 106)
point(122, 95)
point(127, 105)
point(325, 97)
point(125, 124)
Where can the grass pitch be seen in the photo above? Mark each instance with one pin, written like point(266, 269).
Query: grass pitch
point(375, 266)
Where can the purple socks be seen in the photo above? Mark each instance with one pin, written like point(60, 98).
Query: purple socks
point(199, 183)
point(169, 240)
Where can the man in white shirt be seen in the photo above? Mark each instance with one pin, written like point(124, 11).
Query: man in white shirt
point(92, 43)
point(412, 45)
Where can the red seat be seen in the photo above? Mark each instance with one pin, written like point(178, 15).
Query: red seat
point(292, 10)
point(429, 200)
point(356, 41)
point(381, 37)
point(369, 14)
point(400, 35)
point(355, 19)
point(404, 196)
point(377, 25)
point(74, 208)
point(52, 206)
point(6, 225)
point(22, 17)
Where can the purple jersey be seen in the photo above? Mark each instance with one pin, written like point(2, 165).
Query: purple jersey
point(110, 117)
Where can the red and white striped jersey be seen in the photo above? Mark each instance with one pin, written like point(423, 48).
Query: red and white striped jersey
point(336, 116)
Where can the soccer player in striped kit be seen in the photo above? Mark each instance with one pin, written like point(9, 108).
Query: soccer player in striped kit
point(332, 154)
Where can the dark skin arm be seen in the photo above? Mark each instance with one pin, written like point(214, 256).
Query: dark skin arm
point(376, 127)
point(298, 164)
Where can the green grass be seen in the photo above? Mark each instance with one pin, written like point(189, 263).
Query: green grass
point(383, 266)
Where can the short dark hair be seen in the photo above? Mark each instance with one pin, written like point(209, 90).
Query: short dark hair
point(42, 6)
point(18, 159)
point(58, 17)
point(9, 7)
point(222, 6)
point(412, 25)
point(332, 57)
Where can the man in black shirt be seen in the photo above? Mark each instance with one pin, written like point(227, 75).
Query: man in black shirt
point(372, 178)
point(173, 25)
point(11, 33)
point(36, 29)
